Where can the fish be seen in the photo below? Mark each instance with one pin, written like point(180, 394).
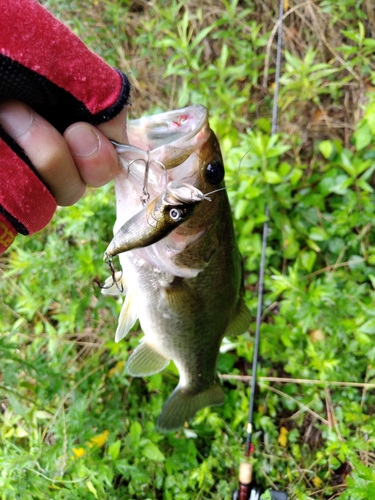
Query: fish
point(185, 287)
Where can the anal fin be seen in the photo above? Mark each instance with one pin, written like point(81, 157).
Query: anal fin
point(146, 360)
point(241, 322)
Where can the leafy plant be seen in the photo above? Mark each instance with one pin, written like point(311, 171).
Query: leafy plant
point(73, 424)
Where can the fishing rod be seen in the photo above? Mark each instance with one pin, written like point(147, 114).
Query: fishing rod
point(248, 489)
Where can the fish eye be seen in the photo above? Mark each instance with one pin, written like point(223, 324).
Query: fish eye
point(175, 214)
point(215, 172)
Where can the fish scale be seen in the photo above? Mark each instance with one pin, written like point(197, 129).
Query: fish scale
point(186, 288)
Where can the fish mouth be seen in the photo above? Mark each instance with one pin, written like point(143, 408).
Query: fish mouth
point(163, 148)
point(157, 131)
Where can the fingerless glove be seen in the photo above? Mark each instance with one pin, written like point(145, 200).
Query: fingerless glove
point(43, 64)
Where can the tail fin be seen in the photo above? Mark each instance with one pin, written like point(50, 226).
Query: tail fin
point(182, 405)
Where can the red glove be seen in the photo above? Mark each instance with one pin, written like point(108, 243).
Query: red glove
point(46, 66)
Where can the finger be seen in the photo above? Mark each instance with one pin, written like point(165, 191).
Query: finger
point(115, 129)
point(46, 148)
point(93, 154)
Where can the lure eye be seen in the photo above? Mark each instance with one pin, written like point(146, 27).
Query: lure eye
point(175, 214)
point(215, 172)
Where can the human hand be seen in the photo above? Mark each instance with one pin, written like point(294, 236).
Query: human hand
point(82, 156)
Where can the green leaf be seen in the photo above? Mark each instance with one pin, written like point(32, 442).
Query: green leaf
point(266, 495)
point(92, 488)
point(284, 169)
point(368, 327)
point(202, 34)
point(318, 234)
point(114, 449)
point(135, 431)
point(308, 260)
point(272, 177)
point(362, 136)
point(365, 186)
point(370, 117)
point(326, 148)
point(226, 362)
point(313, 245)
point(240, 209)
point(347, 163)
point(295, 176)
point(151, 451)
point(253, 192)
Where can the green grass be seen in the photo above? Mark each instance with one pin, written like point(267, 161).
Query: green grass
point(73, 424)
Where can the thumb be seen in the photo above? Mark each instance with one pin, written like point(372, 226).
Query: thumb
point(115, 129)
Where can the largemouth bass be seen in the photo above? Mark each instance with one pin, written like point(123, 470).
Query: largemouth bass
point(187, 288)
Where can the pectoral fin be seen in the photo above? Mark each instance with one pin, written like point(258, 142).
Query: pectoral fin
point(114, 286)
point(146, 360)
point(241, 321)
point(128, 316)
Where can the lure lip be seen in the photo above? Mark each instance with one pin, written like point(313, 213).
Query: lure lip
point(178, 192)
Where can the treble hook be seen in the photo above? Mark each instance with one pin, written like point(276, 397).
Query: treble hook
point(115, 281)
point(145, 197)
point(145, 158)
